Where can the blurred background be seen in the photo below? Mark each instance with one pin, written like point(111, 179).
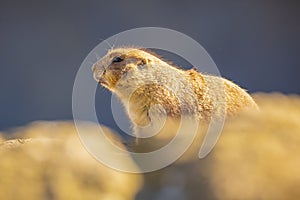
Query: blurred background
point(42, 44)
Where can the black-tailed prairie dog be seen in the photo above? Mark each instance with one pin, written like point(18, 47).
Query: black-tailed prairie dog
point(149, 86)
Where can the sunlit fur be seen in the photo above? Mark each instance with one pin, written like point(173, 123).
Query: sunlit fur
point(143, 80)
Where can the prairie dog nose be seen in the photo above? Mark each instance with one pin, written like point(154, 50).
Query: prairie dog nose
point(97, 73)
point(97, 76)
point(93, 67)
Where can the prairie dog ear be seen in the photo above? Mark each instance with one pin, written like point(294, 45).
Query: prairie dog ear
point(142, 63)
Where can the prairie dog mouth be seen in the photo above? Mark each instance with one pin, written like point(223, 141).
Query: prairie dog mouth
point(101, 80)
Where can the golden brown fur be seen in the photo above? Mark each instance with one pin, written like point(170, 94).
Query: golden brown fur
point(141, 79)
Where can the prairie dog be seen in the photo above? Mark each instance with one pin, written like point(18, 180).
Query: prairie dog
point(149, 87)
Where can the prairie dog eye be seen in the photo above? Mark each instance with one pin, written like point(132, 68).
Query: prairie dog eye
point(117, 59)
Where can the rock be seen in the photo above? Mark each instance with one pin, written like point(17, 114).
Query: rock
point(52, 164)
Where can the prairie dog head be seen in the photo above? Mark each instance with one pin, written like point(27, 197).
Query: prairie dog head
point(124, 66)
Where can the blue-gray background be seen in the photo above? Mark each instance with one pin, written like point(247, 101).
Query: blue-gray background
point(42, 44)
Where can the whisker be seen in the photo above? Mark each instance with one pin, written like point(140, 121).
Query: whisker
point(97, 56)
point(106, 42)
point(116, 39)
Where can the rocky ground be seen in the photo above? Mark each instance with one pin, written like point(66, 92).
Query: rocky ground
point(51, 163)
point(256, 157)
